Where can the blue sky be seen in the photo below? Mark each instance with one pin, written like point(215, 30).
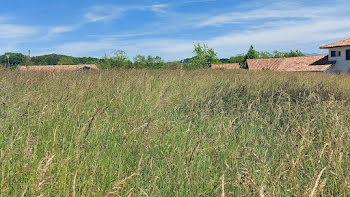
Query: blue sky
point(169, 28)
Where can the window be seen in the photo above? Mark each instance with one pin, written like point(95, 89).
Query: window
point(333, 53)
point(347, 54)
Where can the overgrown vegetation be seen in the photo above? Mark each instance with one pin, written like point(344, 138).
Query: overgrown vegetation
point(174, 133)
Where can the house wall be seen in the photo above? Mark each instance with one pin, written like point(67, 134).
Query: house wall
point(342, 65)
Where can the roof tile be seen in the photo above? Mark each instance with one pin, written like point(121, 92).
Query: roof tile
point(340, 43)
point(295, 64)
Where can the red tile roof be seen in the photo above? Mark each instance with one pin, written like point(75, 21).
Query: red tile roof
point(56, 67)
point(318, 63)
point(225, 66)
point(340, 43)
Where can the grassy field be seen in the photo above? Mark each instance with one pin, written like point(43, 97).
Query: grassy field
point(174, 133)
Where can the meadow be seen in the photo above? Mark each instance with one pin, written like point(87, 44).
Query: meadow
point(174, 133)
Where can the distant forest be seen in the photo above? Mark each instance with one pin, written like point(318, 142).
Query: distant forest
point(203, 57)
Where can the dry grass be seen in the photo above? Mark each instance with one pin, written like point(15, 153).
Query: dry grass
point(174, 133)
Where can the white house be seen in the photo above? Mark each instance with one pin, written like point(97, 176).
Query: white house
point(337, 61)
point(339, 52)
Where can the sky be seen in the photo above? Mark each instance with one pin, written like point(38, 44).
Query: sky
point(170, 28)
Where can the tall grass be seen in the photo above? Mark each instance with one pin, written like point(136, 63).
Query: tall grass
point(174, 133)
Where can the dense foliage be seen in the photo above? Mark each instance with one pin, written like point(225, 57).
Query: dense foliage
point(15, 59)
point(9, 59)
point(204, 56)
point(174, 133)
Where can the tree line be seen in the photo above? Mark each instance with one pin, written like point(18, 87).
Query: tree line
point(14, 59)
point(203, 57)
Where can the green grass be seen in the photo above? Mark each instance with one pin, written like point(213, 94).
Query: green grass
point(174, 133)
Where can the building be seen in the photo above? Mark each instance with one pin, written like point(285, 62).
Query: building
point(225, 66)
point(339, 52)
point(337, 61)
point(319, 63)
point(58, 67)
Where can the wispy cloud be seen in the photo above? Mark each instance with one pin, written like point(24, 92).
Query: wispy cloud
point(122, 35)
point(284, 35)
point(167, 48)
point(55, 31)
point(111, 12)
point(61, 29)
point(281, 34)
point(104, 13)
point(159, 8)
point(10, 30)
point(16, 31)
point(3, 18)
point(172, 30)
point(13, 35)
point(197, 1)
point(280, 10)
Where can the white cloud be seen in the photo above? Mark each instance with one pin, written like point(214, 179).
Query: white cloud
point(287, 37)
point(12, 36)
point(159, 8)
point(52, 32)
point(103, 13)
point(279, 35)
point(61, 29)
point(16, 31)
point(167, 48)
point(111, 12)
point(3, 18)
point(282, 26)
point(280, 10)
point(121, 35)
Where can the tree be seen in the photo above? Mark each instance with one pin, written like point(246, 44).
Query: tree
point(224, 61)
point(118, 60)
point(277, 54)
point(14, 59)
point(27, 59)
point(296, 53)
point(251, 54)
point(265, 55)
point(140, 61)
point(66, 61)
point(238, 59)
point(154, 62)
point(121, 59)
point(204, 56)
